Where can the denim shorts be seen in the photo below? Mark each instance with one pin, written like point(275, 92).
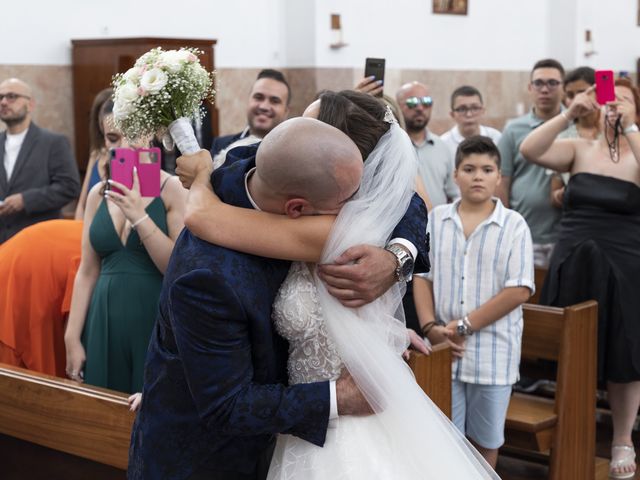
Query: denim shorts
point(479, 411)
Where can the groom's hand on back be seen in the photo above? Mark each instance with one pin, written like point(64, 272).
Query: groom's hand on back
point(350, 399)
point(360, 275)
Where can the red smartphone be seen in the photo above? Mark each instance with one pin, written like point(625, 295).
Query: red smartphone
point(121, 168)
point(146, 160)
point(605, 91)
point(149, 171)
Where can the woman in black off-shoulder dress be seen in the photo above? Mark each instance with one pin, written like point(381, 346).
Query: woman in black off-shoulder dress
point(597, 255)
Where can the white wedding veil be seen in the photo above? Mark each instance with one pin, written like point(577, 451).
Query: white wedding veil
point(370, 339)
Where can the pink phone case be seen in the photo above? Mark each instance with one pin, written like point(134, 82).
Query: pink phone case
point(149, 171)
point(122, 163)
point(604, 87)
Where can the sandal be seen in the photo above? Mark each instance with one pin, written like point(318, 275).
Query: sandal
point(627, 459)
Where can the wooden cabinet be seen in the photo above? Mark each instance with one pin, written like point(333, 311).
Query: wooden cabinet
point(96, 61)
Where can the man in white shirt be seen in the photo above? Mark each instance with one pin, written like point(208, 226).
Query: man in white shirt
point(38, 173)
point(467, 110)
point(435, 163)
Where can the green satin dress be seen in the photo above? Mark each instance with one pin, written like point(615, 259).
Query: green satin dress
point(124, 304)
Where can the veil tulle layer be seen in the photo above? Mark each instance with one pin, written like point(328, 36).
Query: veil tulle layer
point(423, 441)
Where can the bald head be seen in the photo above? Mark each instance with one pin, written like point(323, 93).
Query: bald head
point(16, 104)
point(308, 159)
point(416, 112)
point(17, 86)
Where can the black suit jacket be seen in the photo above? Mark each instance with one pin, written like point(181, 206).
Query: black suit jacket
point(215, 387)
point(220, 143)
point(45, 173)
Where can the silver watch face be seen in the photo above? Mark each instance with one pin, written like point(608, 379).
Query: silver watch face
point(462, 329)
point(406, 268)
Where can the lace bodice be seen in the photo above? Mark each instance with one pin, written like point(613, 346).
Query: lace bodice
point(298, 318)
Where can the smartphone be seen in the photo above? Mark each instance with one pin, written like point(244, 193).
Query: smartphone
point(121, 167)
point(149, 171)
point(605, 91)
point(374, 67)
point(148, 163)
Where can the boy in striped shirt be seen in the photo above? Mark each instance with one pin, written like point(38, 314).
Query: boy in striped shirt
point(481, 274)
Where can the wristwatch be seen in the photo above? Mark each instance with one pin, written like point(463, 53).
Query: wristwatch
point(463, 328)
point(404, 262)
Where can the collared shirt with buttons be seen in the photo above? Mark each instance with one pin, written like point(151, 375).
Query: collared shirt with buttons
point(530, 185)
point(435, 166)
point(467, 272)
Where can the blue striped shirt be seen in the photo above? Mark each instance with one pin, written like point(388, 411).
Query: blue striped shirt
point(467, 272)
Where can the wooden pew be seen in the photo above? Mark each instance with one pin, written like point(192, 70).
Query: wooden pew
point(560, 430)
point(50, 425)
point(88, 422)
point(433, 374)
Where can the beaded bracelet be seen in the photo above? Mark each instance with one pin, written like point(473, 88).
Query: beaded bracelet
point(138, 222)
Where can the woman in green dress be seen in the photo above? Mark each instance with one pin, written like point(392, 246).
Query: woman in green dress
point(126, 244)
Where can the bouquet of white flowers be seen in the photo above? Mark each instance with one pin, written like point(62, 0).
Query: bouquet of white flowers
point(164, 89)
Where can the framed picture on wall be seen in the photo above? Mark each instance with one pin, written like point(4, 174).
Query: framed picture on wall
point(451, 7)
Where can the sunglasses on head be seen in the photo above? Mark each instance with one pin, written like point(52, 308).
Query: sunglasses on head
point(413, 102)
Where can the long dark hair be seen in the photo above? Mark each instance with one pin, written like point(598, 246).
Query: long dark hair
point(358, 115)
point(105, 109)
point(96, 135)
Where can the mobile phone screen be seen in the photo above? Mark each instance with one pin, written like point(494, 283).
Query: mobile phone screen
point(374, 67)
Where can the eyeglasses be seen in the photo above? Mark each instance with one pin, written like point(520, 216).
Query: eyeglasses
point(551, 84)
point(413, 102)
point(463, 109)
point(12, 97)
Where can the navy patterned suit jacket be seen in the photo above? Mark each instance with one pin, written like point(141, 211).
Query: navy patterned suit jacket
point(215, 389)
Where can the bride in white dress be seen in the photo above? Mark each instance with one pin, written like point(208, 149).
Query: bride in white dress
point(408, 436)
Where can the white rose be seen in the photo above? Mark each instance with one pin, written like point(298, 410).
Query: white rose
point(132, 75)
point(127, 93)
point(174, 59)
point(122, 109)
point(153, 80)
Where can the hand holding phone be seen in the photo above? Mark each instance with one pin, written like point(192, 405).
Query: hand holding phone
point(121, 169)
point(374, 67)
point(605, 91)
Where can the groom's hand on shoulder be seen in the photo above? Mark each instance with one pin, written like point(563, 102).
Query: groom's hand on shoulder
point(360, 275)
point(349, 397)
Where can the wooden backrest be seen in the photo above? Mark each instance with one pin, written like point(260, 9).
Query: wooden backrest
point(89, 422)
point(542, 334)
point(433, 374)
point(568, 335)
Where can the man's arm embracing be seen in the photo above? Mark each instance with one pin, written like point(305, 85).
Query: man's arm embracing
point(213, 339)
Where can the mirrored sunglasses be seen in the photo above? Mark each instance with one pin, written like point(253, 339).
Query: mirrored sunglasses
point(413, 102)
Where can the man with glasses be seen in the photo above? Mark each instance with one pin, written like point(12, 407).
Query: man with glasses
point(38, 173)
point(525, 187)
point(435, 162)
point(467, 109)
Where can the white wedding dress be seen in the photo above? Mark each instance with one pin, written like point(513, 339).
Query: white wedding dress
point(408, 437)
point(355, 447)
